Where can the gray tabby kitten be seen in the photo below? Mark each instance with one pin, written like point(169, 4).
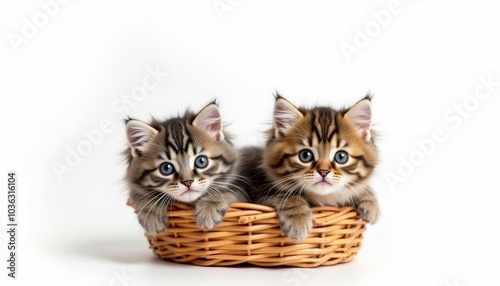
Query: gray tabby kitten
point(187, 159)
point(314, 157)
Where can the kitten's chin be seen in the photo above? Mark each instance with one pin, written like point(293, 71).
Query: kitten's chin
point(323, 188)
point(188, 196)
point(327, 195)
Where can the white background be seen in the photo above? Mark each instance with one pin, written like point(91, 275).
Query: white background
point(440, 223)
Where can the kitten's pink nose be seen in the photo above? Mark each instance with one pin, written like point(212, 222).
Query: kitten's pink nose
point(187, 183)
point(323, 172)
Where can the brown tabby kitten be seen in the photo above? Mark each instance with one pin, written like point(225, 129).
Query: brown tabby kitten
point(187, 159)
point(314, 157)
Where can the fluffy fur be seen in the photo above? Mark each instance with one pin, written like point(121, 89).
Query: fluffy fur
point(188, 159)
point(314, 157)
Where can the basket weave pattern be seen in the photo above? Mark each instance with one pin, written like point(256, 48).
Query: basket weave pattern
point(250, 233)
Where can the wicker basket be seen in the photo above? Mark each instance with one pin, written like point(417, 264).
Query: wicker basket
point(250, 233)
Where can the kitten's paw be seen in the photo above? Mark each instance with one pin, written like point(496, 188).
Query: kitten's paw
point(368, 211)
point(296, 226)
point(210, 212)
point(153, 224)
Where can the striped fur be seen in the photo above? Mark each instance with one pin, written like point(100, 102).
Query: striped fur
point(179, 141)
point(292, 186)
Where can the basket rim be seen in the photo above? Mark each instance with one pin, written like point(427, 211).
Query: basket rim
point(251, 206)
point(248, 212)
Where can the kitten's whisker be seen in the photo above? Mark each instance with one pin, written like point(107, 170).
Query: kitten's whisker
point(292, 191)
point(272, 185)
point(287, 192)
point(162, 209)
point(362, 190)
point(213, 191)
point(153, 192)
point(235, 178)
point(270, 188)
point(152, 207)
point(217, 191)
point(146, 204)
point(235, 186)
point(228, 189)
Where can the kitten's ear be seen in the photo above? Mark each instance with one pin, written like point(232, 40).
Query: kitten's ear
point(360, 115)
point(284, 116)
point(209, 119)
point(139, 135)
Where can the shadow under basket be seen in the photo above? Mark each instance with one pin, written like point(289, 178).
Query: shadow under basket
point(250, 233)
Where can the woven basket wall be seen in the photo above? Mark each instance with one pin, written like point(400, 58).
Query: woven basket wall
point(250, 233)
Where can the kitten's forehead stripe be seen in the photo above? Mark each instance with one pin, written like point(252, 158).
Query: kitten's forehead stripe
point(325, 121)
point(178, 136)
point(334, 127)
point(171, 145)
point(314, 127)
point(187, 140)
point(187, 144)
point(322, 124)
point(330, 136)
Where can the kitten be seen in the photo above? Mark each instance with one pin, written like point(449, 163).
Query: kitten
point(314, 157)
point(187, 159)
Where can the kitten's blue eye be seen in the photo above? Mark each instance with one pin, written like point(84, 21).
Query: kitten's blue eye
point(166, 169)
point(341, 157)
point(201, 162)
point(306, 156)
